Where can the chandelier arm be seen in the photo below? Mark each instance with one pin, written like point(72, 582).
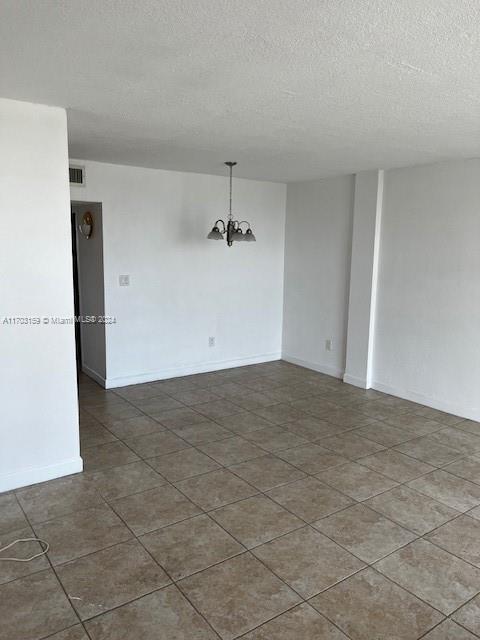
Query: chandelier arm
point(244, 222)
point(223, 224)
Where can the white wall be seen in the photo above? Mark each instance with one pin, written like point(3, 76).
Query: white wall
point(38, 400)
point(427, 344)
point(183, 287)
point(367, 215)
point(317, 272)
point(91, 289)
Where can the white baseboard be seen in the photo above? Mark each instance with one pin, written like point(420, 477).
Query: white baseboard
point(356, 382)
point(316, 366)
point(94, 375)
point(187, 370)
point(33, 475)
point(471, 413)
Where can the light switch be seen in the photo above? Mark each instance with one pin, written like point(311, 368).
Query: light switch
point(124, 281)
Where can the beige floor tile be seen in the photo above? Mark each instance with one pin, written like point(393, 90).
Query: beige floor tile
point(289, 393)
point(156, 406)
point(385, 434)
point(351, 446)
point(467, 443)
point(196, 396)
point(315, 406)
point(460, 537)
point(106, 415)
point(215, 489)
point(456, 493)
point(275, 439)
point(432, 574)
point(153, 509)
point(471, 426)
point(242, 423)
point(55, 498)
point(469, 615)
point(109, 578)
point(218, 409)
point(11, 515)
point(357, 481)
point(106, 456)
point(347, 418)
point(300, 623)
point(183, 464)
point(308, 561)
point(34, 607)
point(312, 428)
point(440, 416)
point(95, 434)
point(377, 411)
point(401, 405)
point(267, 472)
point(73, 633)
point(429, 451)
point(466, 468)
point(190, 546)
point(229, 390)
point(203, 432)
point(364, 532)
point(12, 570)
point(311, 458)
point(309, 499)
point(156, 444)
point(367, 606)
point(412, 510)
point(175, 418)
point(135, 392)
point(82, 532)
point(175, 385)
point(134, 427)
point(125, 480)
point(419, 425)
point(238, 595)
point(449, 630)
point(231, 450)
point(256, 520)
point(281, 413)
point(396, 465)
point(254, 400)
point(163, 615)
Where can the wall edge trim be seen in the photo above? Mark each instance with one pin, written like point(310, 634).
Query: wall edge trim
point(469, 413)
point(91, 373)
point(190, 369)
point(355, 381)
point(32, 475)
point(327, 369)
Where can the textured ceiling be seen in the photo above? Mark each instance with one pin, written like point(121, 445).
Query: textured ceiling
point(291, 89)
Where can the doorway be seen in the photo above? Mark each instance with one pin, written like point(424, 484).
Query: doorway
point(89, 289)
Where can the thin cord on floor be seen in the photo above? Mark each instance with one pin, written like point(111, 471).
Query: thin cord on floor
point(42, 553)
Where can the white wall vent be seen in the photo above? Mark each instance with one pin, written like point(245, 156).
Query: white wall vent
point(77, 175)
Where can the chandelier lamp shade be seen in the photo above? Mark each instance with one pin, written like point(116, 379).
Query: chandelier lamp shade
point(231, 230)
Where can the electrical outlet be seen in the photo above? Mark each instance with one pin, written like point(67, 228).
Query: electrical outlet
point(329, 345)
point(124, 281)
point(211, 341)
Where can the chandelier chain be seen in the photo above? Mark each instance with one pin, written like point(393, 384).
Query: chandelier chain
point(230, 215)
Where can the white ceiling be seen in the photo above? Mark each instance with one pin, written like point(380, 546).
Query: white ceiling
point(291, 89)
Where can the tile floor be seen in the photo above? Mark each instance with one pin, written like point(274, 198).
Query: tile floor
point(267, 502)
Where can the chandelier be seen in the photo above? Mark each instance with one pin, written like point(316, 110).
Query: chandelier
point(232, 229)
